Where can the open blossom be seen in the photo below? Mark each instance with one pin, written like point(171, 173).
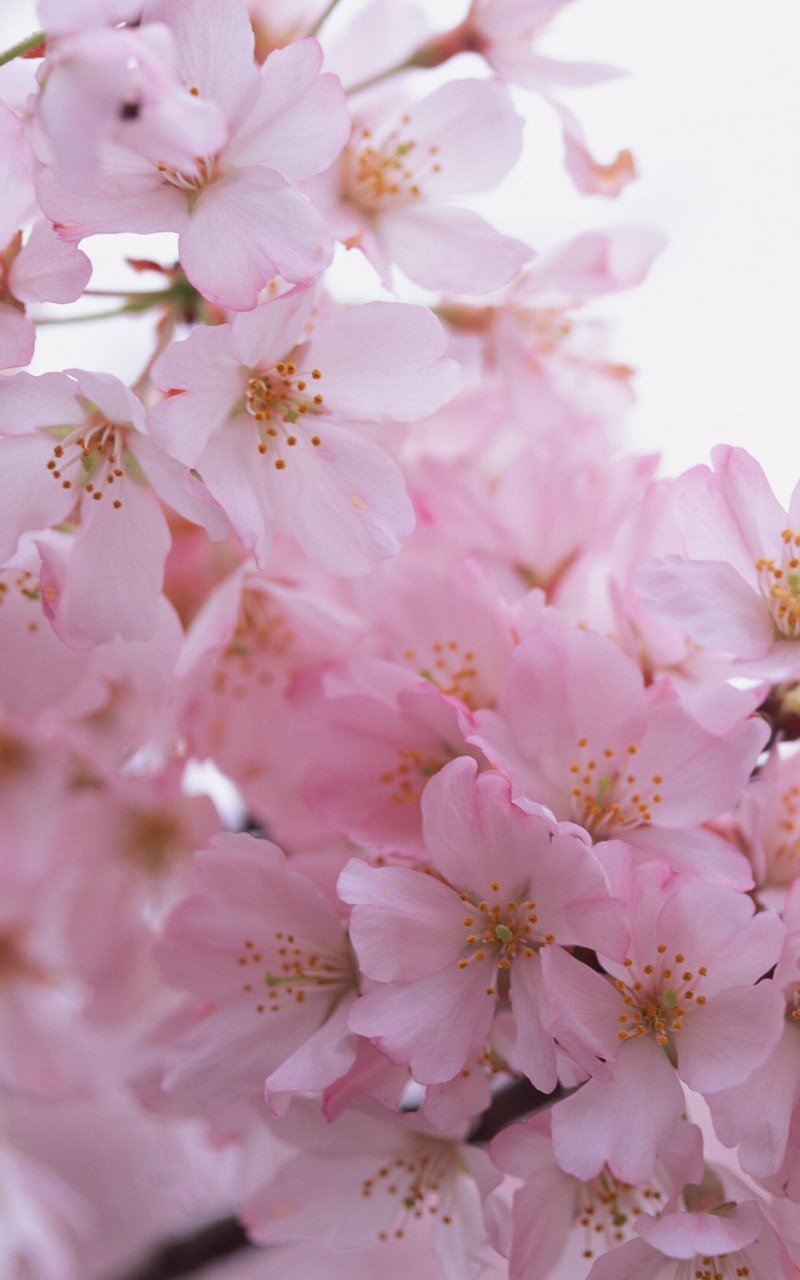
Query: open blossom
point(687, 1001)
point(370, 1176)
point(559, 1224)
point(736, 589)
point(120, 85)
point(36, 267)
point(283, 122)
point(451, 947)
point(389, 189)
point(730, 1241)
point(75, 447)
point(266, 415)
point(578, 732)
point(42, 269)
point(374, 735)
point(268, 957)
point(766, 1134)
point(505, 33)
point(766, 823)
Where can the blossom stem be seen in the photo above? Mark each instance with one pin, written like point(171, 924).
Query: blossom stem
point(24, 46)
point(432, 53)
point(323, 18)
point(136, 302)
point(122, 293)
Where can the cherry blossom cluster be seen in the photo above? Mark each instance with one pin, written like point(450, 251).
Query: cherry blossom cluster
point(480, 954)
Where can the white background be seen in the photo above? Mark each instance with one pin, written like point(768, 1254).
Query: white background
point(711, 109)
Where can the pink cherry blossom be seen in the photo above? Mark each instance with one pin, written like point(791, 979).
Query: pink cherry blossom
point(683, 1000)
point(402, 163)
point(283, 123)
point(112, 85)
point(243, 654)
point(376, 735)
point(370, 1176)
point(561, 1224)
point(731, 1241)
point(265, 416)
point(737, 587)
point(506, 884)
point(579, 732)
point(766, 1134)
point(76, 443)
point(505, 32)
point(267, 956)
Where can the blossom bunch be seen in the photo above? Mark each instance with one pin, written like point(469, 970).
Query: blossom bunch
point(479, 953)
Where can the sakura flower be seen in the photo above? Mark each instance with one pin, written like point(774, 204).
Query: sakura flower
point(282, 123)
point(452, 946)
point(371, 1176)
point(505, 32)
point(766, 1134)
point(120, 85)
point(41, 269)
point(766, 823)
point(126, 846)
point(736, 590)
point(687, 999)
point(253, 638)
point(76, 443)
point(265, 952)
point(404, 160)
point(559, 1223)
point(46, 1048)
point(266, 412)
point(732, 1241)
point(374, 735)
point(579, 733)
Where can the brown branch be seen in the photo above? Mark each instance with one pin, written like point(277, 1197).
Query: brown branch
point(210, 1243)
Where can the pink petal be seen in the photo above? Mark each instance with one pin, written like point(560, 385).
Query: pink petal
point(299, 122)
point(268, 230)
point(383, 361)
point(450, 249)
point(722, 1043)
point(404, 925)
point(407, 1022)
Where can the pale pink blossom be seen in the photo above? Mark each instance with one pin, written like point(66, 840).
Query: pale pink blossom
point(390, 191)
point(449, 948)
point(766, 824)
point(374, 735)
point(731, 1240)
point(687, 1002)
point(559, 1224)
point(283, 123)
point(505, 33)
point(371, 1175)
point(266, 415)
point(267, 959)
point(113, 85)
point(579, 732)
point(248, 645)
point(75, 445)
point(736, 589)
point(766, 1133)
